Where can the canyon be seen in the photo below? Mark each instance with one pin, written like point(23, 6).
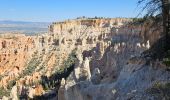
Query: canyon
point(82, 59)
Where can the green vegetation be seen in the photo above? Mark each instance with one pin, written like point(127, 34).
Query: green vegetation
point(56, 42)
point(96, 17)
point(31, 66)
point(166, 60)
point(137, 21)
point(160, 90)
point(150, 19)
point(63, 72)
point(4, 92)
point(11, 84)
point(69, 62)
point(46, 87)
point(1, 77)
point(159, 9)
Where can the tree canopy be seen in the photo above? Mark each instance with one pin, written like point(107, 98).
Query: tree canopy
point(159, 8)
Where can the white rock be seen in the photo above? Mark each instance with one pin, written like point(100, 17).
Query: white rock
point(138, 45)
point(5, 98)
point(13, 93)
point(143, 45)
point(123, 44)
point(148, 44)
point(31, 93)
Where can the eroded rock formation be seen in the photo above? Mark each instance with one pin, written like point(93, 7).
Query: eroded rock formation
point(24, 59)
point(118, 70)
point(106, 64)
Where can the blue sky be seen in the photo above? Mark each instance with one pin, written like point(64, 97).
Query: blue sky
point(57, 10)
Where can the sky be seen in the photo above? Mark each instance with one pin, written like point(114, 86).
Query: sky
point(58, 10)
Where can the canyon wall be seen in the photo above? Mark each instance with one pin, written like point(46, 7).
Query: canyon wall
point(81, 59)
point(116, 69)
point(25, 59)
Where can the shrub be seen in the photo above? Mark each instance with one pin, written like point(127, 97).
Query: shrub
point(166, 60)
point(11, 84)
point(1, 77)
point(160, 90)
point(62, 72)
point(31, 66)
point(4, 92)
point(56, 42)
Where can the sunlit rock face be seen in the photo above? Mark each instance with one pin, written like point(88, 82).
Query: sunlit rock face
point(25, 59)
point(108, 56)
point(117, 69)
point(97, 25)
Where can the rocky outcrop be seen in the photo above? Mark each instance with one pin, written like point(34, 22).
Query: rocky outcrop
point(61, 95)
point(25, 59)
point(14, 92)
point(106, 64)
point(118, 71)
point(96, 78)
point(96, 25)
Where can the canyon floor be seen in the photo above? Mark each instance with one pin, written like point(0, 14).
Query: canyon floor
point(83, 59)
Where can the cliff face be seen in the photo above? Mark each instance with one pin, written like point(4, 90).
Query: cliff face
point(77, 25)
point(120, 73)
point(83, 59)
point(118, 70)
point(26, 59)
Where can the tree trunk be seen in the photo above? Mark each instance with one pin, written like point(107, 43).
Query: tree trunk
point(166, 23)
point(168, 17)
